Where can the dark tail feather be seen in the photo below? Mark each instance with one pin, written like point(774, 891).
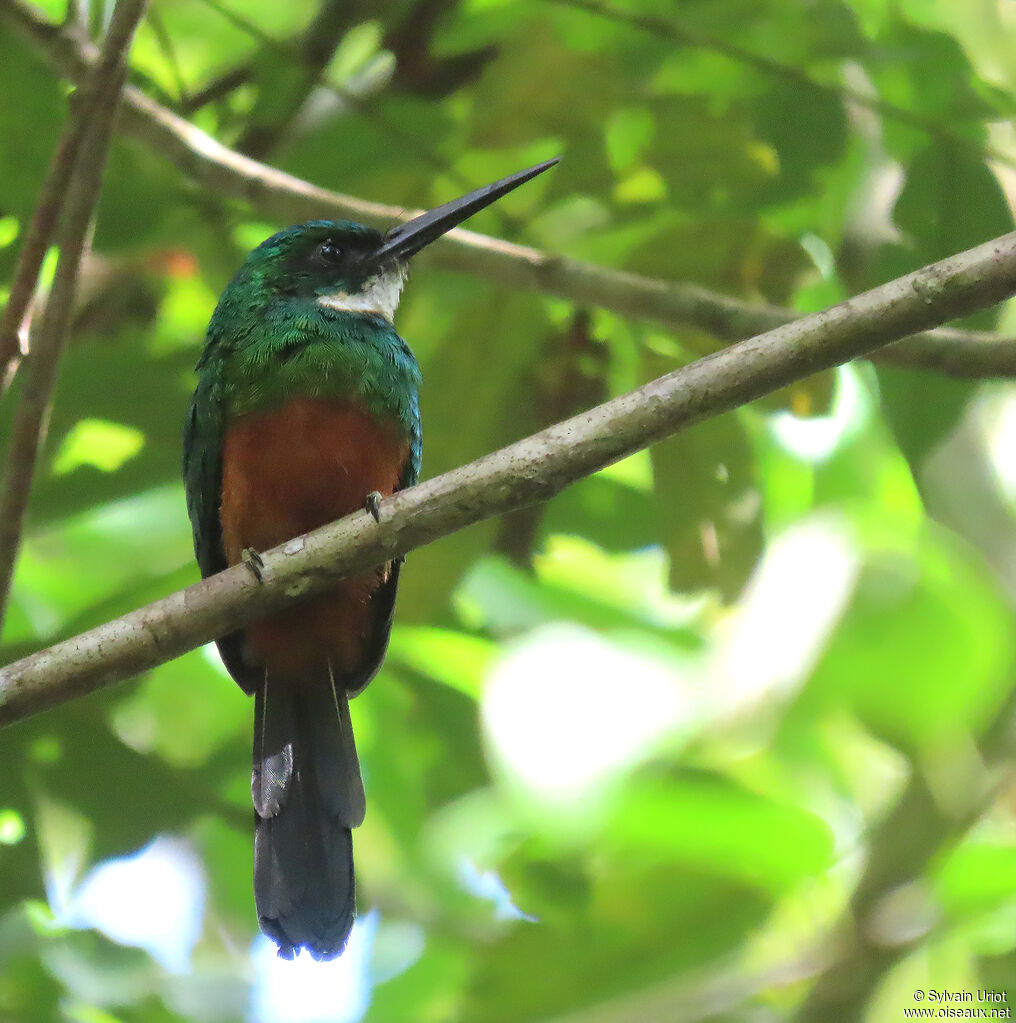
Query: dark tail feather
point(308, 795)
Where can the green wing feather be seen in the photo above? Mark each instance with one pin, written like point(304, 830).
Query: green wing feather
point(202, 477)
point(202, 474)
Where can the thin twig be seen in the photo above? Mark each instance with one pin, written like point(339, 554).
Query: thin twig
point(14, 325)
point(308, 59)
point(97, 109)
point(296, 51)
point(218, 88)
point(531, 470)
point(285, 199)
point(169, 55)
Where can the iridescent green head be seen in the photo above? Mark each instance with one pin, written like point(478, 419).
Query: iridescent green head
point(332, 261)
point(354, 268)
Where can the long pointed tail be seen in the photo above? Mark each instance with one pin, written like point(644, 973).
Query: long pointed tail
point(308, 795)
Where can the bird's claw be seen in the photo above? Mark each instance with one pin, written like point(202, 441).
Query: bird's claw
point(253, 560)
point(373, 504)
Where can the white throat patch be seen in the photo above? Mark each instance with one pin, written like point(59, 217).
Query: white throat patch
point(380, 295)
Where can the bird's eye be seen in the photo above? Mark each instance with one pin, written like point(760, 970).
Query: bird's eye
point(330, 252)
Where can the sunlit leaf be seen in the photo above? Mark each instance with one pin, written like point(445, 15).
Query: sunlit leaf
point(98, 443)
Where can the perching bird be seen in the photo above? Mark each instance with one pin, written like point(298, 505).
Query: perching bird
point(307, 409)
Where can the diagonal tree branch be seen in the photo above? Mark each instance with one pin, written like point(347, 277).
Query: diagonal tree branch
point(531, 470)
point(86, 143)
point(281, 197)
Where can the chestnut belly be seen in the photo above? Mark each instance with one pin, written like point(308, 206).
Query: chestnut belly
point(285, 472)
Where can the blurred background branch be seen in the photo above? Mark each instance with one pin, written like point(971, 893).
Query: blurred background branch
point(70, 193)
point(283, 198)
point(891, 912)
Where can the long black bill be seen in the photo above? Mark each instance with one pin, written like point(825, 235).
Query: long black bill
point(407, 239)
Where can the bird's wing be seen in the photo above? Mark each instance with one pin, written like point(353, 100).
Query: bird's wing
point(202, 475)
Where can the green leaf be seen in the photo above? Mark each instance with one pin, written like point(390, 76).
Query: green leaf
point(806, 126)
point(705, 822)
point(184, 710)
point(951, 201)
point(708, 505)
point(99, 443)
point(922, 409)
point(32, 110)
point(924, 651)
point(977, 876)
point(454, 658)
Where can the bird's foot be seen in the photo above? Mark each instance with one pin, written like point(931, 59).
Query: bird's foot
point(253, 560)
point(373, 504)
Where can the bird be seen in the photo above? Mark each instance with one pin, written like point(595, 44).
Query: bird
point(307, 409)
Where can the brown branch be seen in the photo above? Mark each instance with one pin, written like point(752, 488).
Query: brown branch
point(96, 110)
point(286, 199)
point(531, 470)
point(420, 68)
point(293, 51)
point(218, 88)
point(278, 106)
point(14, 326)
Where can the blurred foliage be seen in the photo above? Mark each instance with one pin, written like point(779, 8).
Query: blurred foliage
point(630, 751)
